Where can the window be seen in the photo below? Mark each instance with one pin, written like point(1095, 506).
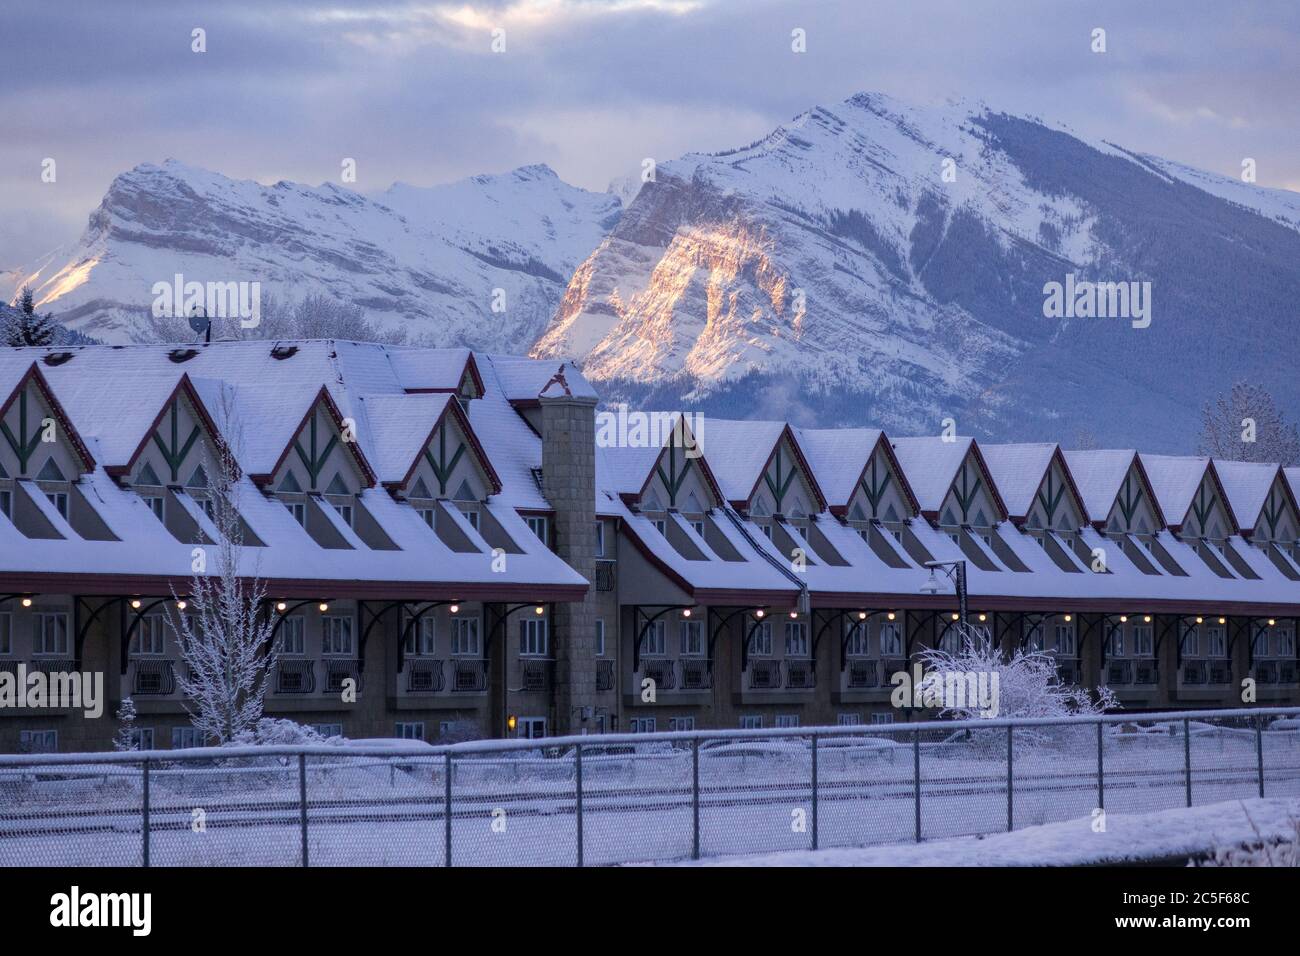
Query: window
point(464, 637)
point(1217, 640)
point(471, 515)
point(655, 643)
point(1034, 636)
point(142, 738)
point(328, 730)
point(293, 635)
point(751, 722)
point(660, 525)
point(148, 637)
point(787, 720)
point(209, 508)
point(882, 718)
point(1142, 640)
point(767, 530)
point(537, 525)
point(692, 638)
point(891, 640)
point(409, 730)
point(1066, 645)
point(60, 501)
point(856, 639)
point(345, 512)
point(600, 539)
point(336, 635)
point(446, 728)
point(299, 511)
point(796, 639)
point(421, 637)
point(51, 634)
point(155, 504)
point(1192, 642)
point(38, 741)
point(6, 633)
point(848, 720)
point(600, 638)
point(7, 503)
point(183, 738)
point(641, 725)
point(531, 727)
point(426, 514)
point(1115, 641)
point(681, 723)
point(699, 527)
point(532, 638)
point(760, 643)
point(1283, 642)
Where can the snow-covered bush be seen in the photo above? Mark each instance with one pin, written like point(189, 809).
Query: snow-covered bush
point(278, 730)
point(1283, 852)
point(123, 739)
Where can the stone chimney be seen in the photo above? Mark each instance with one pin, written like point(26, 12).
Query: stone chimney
point(569, 484)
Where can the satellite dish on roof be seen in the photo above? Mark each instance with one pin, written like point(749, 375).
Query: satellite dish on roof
point(200, 323)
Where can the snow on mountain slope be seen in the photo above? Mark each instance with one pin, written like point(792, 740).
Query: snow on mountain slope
point(833, 272)
point(426, 260)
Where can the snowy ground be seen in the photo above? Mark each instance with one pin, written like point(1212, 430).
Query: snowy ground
point(754, 797)
point(1129, 837)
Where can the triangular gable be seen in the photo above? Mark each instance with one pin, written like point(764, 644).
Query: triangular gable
point(471, 382)
point(1259, 495)
point(1210, 514)
point(442, 459)
point(166, 434)
point(314, 455)
point(1279, 505)
point(1188, 490)
point(835, 452)
point(673, 467)
point(27, 439)
point(1134, 496)
point(778, 475)
point(1035, 495)
point(965, 481)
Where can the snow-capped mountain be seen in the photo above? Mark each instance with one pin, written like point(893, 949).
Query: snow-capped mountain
point(873, 262)
point(869, 262)
point(428, 260)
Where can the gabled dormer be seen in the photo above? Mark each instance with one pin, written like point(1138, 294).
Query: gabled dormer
point(1056, 505)
point(881, 492)
point(1279, 517)
point(785, 486)
point(972, 499)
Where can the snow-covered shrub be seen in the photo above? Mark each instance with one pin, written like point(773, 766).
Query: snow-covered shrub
point(125, 715)
point(1277, 852)
point(278, 730)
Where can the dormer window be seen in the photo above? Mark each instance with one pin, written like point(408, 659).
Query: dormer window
point(537, 525)
point(299, 511)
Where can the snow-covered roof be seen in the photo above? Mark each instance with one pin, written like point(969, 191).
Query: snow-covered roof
point(1174, 480)
point(1246, 485)
point(1098, 475)
point(1017, 471)
point(837, 457)
point(930, 465)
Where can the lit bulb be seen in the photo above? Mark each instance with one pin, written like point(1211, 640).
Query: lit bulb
point(862, 615)
point(759, 613)
point(323, 607)
point(890, 615)
point(1069, 618)
point(793, 615)
point(539, 610)
point(27, 602)
point(686, 612)
point(455, 609)
point(1270, 622)
point(956, 616)
point(180, 605)
point(1200, 620)
point(1223, 620)
point(1146, 618)
point(984, 617)
point(135, 605)
point(281, 606)
point(1123, 618)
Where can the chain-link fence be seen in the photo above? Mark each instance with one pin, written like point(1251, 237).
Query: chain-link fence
point(629, 798)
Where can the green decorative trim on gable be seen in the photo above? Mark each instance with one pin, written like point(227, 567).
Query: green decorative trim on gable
point(675, 478)
point(781, 486)
point(966, 494)
point(1202, 508)
point(22, 447)
point(314, 462)
point(175, 455)
point(875, 491)
point(1047, 497)
point(442, 467)
point(1272, 511)
point(1129, 501)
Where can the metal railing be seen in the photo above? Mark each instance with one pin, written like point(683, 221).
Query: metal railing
point(604, 675)
point(153, 677)
point(424, 676)
point(295, 676)
point(631, 797)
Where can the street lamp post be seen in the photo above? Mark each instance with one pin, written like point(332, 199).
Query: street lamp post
point(956, 572)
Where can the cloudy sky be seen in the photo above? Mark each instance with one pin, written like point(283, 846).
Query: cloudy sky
point(414, 91)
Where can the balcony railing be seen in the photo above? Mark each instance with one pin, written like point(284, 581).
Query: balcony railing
point(338, 671)
point(800, 675)
point(424, 676)
point(153, 678)
point(1141, 671)
point(604, 675)
point(52, 665)
point(468, 676)
point(1195, 672)
point(1067, 668)
point(1265, 672)
point(764, 674)
point(1220, 672)
point(294, 676)
point(661, 671)
point(891, 666)
point(863, 674)
point(535, 675)
point(696, 674)
point(1145, 671)
point(606, 575)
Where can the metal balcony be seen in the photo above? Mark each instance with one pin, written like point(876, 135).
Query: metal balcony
point(153, 677)
point(661, 671)
point(468, 676)
point(606, 575)
point(863, 675)
point(604, 675)
point(424, 676)
point(764, 674)
point(696, 674)
point(295, 676)
point(800, 675)
point(535, 676)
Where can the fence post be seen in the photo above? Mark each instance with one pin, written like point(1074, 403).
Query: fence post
point(1010, 777)
point(814, 791)
point(578, 797)
point(144, 811)
point(1259, 750)
point(695, 797)
point(1187, 757)
point(302, 803)
point(1101, 770)
point(446, 810)
point(916, 779)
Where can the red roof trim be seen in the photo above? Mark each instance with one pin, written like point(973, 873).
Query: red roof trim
point(33, 374)
point(367, 473)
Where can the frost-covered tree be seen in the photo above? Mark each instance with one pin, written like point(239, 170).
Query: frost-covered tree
point(27, 327)
point(225, 635)
point(1245, 424)
point(124, 739)
point(315, 316)
point(1028, 682)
